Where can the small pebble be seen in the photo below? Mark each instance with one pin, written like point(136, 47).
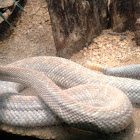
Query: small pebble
point(122, 37)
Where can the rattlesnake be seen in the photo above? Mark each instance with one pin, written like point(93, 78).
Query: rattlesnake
point(86, 100)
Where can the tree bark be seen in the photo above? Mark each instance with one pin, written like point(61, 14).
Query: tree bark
point(75, 23)
point(137, 24)
point(121, 14)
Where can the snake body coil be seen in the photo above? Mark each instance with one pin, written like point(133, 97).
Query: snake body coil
point(82, 103)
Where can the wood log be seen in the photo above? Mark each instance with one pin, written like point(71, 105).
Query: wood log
point(75, 23)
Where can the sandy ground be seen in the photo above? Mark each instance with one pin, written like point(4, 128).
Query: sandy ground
point(32, 36)
point(110, 50)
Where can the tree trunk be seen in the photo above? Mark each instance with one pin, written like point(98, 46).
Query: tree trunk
point(137, 24)
point(121, 15)
point(75, 23)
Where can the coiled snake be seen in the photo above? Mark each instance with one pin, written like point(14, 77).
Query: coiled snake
point(66, 92)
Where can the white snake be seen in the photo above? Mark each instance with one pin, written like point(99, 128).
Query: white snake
point(86, 100)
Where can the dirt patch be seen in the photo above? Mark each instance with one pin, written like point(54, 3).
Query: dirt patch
point(32, 35)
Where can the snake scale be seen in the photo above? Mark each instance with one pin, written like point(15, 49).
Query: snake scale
point(65, 91)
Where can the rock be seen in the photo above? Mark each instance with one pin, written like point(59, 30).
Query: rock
point(122, 37)
point(6, 3)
